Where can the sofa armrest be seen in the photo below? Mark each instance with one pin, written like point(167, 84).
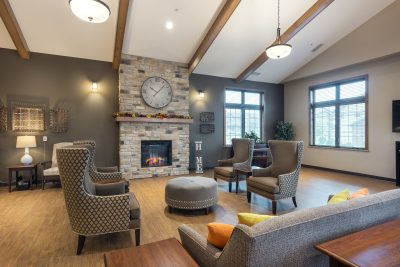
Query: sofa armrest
point(225, 162)
point(110, 189)
point(202, 252)
point(107, 169)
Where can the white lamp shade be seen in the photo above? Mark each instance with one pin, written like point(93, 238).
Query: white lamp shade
point(26, 141)
point(93, 11)
point(279, 51)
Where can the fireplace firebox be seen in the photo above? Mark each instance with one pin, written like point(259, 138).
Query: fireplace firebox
point(155, 153)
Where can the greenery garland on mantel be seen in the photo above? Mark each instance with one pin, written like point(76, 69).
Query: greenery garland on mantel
point(150, 116)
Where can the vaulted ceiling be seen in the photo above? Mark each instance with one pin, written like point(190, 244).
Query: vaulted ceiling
point(50, 27)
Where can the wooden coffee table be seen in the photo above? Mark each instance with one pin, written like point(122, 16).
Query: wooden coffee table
point(372, 247)
point(166, 253)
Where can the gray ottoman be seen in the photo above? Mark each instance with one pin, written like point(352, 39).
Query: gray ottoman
point(191, 193)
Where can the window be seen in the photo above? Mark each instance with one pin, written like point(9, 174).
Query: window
point(243, 111)
point(338, 114)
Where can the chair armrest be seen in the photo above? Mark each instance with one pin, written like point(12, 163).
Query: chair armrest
point(263, 172)
point(107, 169)
point(203, 252)
point(103, 177)
point(110, 189)
point(225, 162)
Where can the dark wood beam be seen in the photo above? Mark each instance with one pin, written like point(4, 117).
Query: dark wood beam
point(297, 26)
point(223, 16)
point(120, 32)
point(11, 23)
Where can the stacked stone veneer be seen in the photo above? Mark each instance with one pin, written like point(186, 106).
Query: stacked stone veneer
point(132, 73)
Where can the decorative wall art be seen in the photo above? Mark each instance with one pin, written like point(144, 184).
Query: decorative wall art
point(3, 119)
point(199, 157)
point(59, 120)
point(28, 119)
point(207, 128)
point(207, 116)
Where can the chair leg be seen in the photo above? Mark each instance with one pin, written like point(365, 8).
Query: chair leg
point(274, 207)
point(294, 201)
point(206, 211)
point(230, 187)
point(215, 178)
point(248, 196)
point(81, 242)
point(137, 236)
point(169, 209)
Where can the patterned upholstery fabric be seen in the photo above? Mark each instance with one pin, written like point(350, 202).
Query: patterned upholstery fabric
point(242, 158)
point(288, 240)
point(54, 156)
point(284, 171)
point(89, 214)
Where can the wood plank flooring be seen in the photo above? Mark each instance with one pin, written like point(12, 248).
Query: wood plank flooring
point(35, 231)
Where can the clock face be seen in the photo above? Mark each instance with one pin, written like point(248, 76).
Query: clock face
point(156, 92)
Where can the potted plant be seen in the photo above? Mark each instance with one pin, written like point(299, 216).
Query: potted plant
point(284, 131)
point(258, 142)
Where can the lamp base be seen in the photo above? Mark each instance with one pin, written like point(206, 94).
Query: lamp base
point(26, 159)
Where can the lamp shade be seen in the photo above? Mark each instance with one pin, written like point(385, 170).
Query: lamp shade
point(26, 141)
point(279, 51)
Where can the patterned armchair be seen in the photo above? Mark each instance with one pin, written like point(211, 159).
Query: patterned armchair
point(101, 174)
point(279, 180)
point(94, 209)
point(242, 158)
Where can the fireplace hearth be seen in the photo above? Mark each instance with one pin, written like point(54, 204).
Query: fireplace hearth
point(156, 153)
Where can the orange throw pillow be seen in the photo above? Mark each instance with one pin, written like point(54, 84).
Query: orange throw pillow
point(360, 193)
point(219, 234)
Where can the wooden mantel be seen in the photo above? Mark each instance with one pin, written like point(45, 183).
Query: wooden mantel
point(153, 120)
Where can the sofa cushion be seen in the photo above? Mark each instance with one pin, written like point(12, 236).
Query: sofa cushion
point(340, 197)
point(219, 234)
point(251, 219)
point(134, 207)
point(360, 193)
point(268, 184)
point(224, 171)
point(51, 172)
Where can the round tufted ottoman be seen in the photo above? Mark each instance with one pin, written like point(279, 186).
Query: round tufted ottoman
point(191, 193)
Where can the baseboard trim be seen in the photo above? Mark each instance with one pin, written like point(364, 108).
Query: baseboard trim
point(350, 173)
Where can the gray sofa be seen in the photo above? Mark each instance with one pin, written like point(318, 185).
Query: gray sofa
point(288, 240)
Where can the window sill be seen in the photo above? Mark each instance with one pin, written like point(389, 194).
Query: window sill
point(339, 148)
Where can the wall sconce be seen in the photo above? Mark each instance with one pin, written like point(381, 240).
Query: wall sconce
point(94, 87)
point(201, 94)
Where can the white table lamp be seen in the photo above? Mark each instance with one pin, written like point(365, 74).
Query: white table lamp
point(26, 142)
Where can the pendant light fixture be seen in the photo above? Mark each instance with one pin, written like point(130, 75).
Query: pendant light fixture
point(278, 50)
point(93, 11)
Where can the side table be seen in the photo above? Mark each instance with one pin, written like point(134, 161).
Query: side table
point(247, 172)
point(18, 168)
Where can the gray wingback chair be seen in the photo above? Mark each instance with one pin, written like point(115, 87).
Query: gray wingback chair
point(94, 209)
point(279, 180)
point(242, 158)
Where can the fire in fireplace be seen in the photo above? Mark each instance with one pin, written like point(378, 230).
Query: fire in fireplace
point(156, 153)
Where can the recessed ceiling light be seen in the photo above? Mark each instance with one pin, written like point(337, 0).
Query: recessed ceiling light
point(93, 11)
point(169, 25)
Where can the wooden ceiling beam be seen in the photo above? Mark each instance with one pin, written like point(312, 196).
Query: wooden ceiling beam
point(11, 23)
point(297, 26)
point(120, 32)
point(223, 16)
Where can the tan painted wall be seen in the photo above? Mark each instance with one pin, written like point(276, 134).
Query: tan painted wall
point(376, 38)
point(384, 86)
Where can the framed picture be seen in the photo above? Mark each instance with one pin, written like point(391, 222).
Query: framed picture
point(28, 119)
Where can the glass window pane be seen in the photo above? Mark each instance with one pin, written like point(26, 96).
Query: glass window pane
point(233, 124)
point(252, 98)
point(252, 121)
point(324, 126)
point(325, 94)
point(233, 97)
point(352, 125)
point(350, 90)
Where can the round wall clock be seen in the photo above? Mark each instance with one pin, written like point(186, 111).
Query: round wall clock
point(156, 92)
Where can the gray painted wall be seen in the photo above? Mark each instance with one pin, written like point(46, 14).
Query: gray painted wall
point(66, 82)
point(214, 87)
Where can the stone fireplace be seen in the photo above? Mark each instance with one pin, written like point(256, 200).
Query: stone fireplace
point(153, 147)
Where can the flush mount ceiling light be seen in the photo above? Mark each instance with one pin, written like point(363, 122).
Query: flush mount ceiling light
point(169, 25)
point(93, 11)
point(278, 50)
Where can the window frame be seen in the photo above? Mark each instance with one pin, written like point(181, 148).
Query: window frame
point(243, 107)
point(337, 103)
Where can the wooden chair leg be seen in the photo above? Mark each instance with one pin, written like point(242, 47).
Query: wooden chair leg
point(137, 236)
point(248, 196)
point(230, 187)
point(294, 201)
point(81, 242)
point(274, 207)
point(206, 211)
point(169, 209)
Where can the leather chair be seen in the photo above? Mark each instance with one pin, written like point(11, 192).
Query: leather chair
point(279, 180)
point(94, 209)
point(243, 155)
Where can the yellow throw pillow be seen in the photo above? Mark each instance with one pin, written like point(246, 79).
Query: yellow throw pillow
point(251, 219)
point(219, 234)
point(360, 193)
point(340, 197)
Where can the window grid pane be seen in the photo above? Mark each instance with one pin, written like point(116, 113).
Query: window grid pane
point(233, 97)
point(233, 124)
point(351, 90)
point(352, 125)
point(252, 98)
point(325, 94)
point(324, 126)
point(252, 121)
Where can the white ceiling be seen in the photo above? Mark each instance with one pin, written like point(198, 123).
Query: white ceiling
point(50, 27)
